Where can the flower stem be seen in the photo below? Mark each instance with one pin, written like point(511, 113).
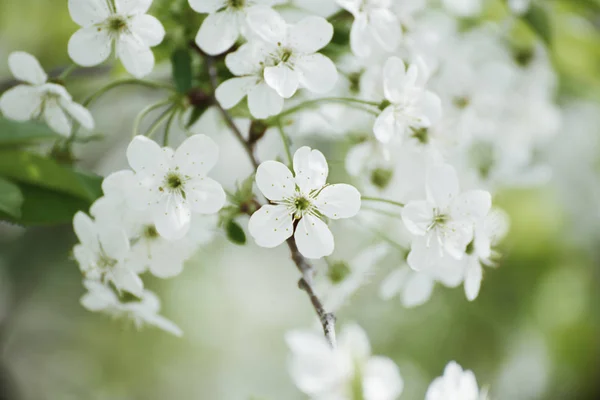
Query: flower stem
point(154, 85)
point(354, 103)
point(286, 144)
point(67, 71)
point(138, 119)
point(159, 121)
point(168, 128)
point(380, 200)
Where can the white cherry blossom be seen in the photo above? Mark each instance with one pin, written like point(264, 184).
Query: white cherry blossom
point(411, 105)
point(38, 98)
point(325, 373)
point(102, 253)
point(299, 204)
point(293, 51)
point(464, 8)
point(248, 64)
point(455, 384)
point(446, 219)
point(375, 26)
point(122, 24)
point(100, 298)
point(172, 185)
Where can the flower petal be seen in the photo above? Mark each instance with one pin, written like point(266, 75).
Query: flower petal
point(21, 103)
point(425, 255)
point(313, 237)
point(275, 180)
point(232, 91)
point(114, 241)
point(283, 79)
point(206, 6)
point(90, 46)
point(310, 34)
point(472, 205)
point(431, 108)
point(442, 185)
point(360, 38)
point(205, 195)
point(271, 225)
point(218, 32)
point(264, 101)
point(127, 280)
point(79, 113)
point(417, 217)
point(56, 118)
point(89, 12)
point(99, 297)
point(145, 156)
point(311, 169)
point(393, 283)
point(148, 29)
point(132, 7)
point(172, 216)
point(394, 73)
point(135, 54)
point(385, 28)
point(338, 201)
point(267, 24)
point(86, 232)
point(418, 290)
point(353, 339)
point(196, 156)
point(385, 127)
point(245, 60)
point(381, 379)
point(316, 72)
point(473, 277)
point(26, 68)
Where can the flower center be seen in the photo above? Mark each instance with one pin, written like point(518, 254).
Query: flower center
point(381, 177)
point(104, 262)
point(301, 204)
point(150, 232)
point(285, 55)
point(237, 4)
point(174, 181)
point(117, 24)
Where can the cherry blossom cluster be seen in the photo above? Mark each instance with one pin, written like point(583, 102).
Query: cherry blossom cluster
point(439, 119)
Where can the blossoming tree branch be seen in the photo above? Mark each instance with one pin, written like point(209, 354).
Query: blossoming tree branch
point(434, 118)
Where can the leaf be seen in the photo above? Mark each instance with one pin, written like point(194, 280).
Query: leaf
point(14, 133)
point(197, 112)
point(181, 61)
point(235, 233)
point(11, 198)
point(35, 170)
point(538, 19)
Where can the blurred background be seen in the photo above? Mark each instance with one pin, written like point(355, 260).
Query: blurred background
point(533, 333)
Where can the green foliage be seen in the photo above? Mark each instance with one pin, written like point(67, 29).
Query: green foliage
point(11, 198)
point(538, 19)
point(235, 233)
point(181, 61)
point(13, 133)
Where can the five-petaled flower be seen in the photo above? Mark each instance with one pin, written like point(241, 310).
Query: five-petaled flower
point(301, 202)
point(123, 23)
point(39, 98)
point(455, 384)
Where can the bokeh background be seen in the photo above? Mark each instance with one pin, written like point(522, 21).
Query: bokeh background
point(533, 333)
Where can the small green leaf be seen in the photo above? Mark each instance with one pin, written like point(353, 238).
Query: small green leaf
point(235, 233)
point(11, 198)
point(35, 170)
point(13, 133)
point(538, 19)
point(181, 61)
point(197, 112)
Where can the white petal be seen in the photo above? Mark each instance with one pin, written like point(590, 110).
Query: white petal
point(163, 265)
point(98, 298)
point(267, 24)
point(353, 339)
point(79, 113)
point(339, 201)
point(385, 28)
point(89, 47)
point(205, 195)
point(133, 7)
point(385, 126)
point(127, 280)
point(145, 156)
point(89, 12)
point(472, 205)
point(458, 235)
point(148, 29)
point(245, 60)
point(311, 169)
point(418, 290)
point(271, 225)
point(136, 56)
point(394, 72)
point(313, 237)
point(218, 32)
point(86, 232)
point(21, 103)
point(196, 156)
point(164, 324)
point(172, 217)
point(360, 42)
point(431, 107)
point(316, 72)
point(264, 101)
point(275, 180)
point(283, 79)
point(26, 68)
point(310, 34)
point(425, 255)
point(473, 277)
point(114, 242)
point(56, 118)
point(206, 6)
point(393, 283)
point(417, 217)
point(450, 272)
point(442, 185)
point(381, 379)
point(232, 91)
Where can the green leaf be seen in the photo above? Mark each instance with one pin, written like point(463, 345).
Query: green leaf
point(11, 198)
point(181, 61)
point(538, 19)
point(197, 112)
point(35, 170)
point(235, 233)
point(13, 133)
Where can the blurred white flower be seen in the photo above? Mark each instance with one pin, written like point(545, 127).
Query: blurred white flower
point(102, 253)
point(455, 384)
point(173, 184)
point(38, 98)
point(122, 23)
point(412, 106)
point(293, 50)
point(100, 298)
point(305, 198)
point(347, 372)
point(519, 7)
point(375, 25)
point(464, 8)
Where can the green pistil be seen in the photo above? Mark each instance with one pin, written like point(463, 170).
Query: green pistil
point(237, 3)
point(174, 181)
point(285, 56)
point(117, 24)
point(301, 204)
point(338, 271)
point(381, 177)
point(150, 232)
